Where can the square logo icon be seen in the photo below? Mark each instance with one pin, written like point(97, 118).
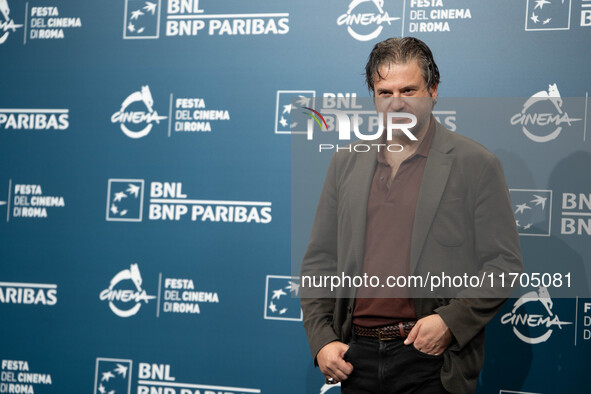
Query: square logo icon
point(112, 376)
point(282, 300)
point(142, 19)
point(285, 123)
point(532, 209)
point(547, 15)
point(125, 200)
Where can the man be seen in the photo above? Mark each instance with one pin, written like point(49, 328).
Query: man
point(439, 205)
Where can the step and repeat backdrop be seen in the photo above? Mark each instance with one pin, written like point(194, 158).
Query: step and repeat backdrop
point(146, 189)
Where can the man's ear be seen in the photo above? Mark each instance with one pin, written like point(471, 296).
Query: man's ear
point(433, 91)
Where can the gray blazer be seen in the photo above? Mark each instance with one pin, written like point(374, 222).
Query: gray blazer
point(463, 224)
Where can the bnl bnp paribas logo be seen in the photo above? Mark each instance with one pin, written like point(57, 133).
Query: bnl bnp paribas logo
point(282, 300)
point(136, 116)
point(7, 25)
point(114, 376)
point(541, 15)
point(168, 202)
point(542, 117)
point(365, 19)
point(547, 15)
point(290, 103)
point(532, 209)
point(186, 18)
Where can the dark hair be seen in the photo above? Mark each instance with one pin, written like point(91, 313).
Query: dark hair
point(401, 50)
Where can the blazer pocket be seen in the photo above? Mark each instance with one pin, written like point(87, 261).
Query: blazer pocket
point(448, 222)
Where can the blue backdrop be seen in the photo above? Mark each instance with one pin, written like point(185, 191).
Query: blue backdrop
point(146, 188)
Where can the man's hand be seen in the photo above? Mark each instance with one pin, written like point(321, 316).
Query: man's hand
point(430, 335)
point(331, 363)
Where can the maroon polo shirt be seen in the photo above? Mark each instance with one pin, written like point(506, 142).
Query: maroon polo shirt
point(390, 217)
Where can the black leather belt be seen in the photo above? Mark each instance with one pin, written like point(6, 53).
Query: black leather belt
point(387, 333)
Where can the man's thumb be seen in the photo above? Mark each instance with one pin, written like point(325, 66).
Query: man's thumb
point(412, 335)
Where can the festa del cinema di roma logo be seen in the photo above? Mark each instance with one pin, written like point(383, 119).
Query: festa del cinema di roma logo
point(547, 125)
point(131, 119)
point(357, 21)
point(121, 298)
point(533, 321)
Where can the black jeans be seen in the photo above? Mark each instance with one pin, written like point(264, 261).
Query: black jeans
point(391, 367)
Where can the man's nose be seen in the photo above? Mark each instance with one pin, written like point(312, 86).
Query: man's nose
point(396, 104)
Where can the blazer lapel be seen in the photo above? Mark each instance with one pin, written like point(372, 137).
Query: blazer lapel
point(361, 179)
point(437, 169)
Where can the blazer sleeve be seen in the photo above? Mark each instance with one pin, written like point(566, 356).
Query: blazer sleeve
point(497, 250)
point(321, 259)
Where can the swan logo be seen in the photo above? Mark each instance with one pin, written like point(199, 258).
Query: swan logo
point(130, 118)
point(123, 300)
point(360, 22)
point(547, 125)
point(546, 320)
point(7, 26)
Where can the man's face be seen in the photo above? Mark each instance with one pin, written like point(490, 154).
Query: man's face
point(402, 88)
